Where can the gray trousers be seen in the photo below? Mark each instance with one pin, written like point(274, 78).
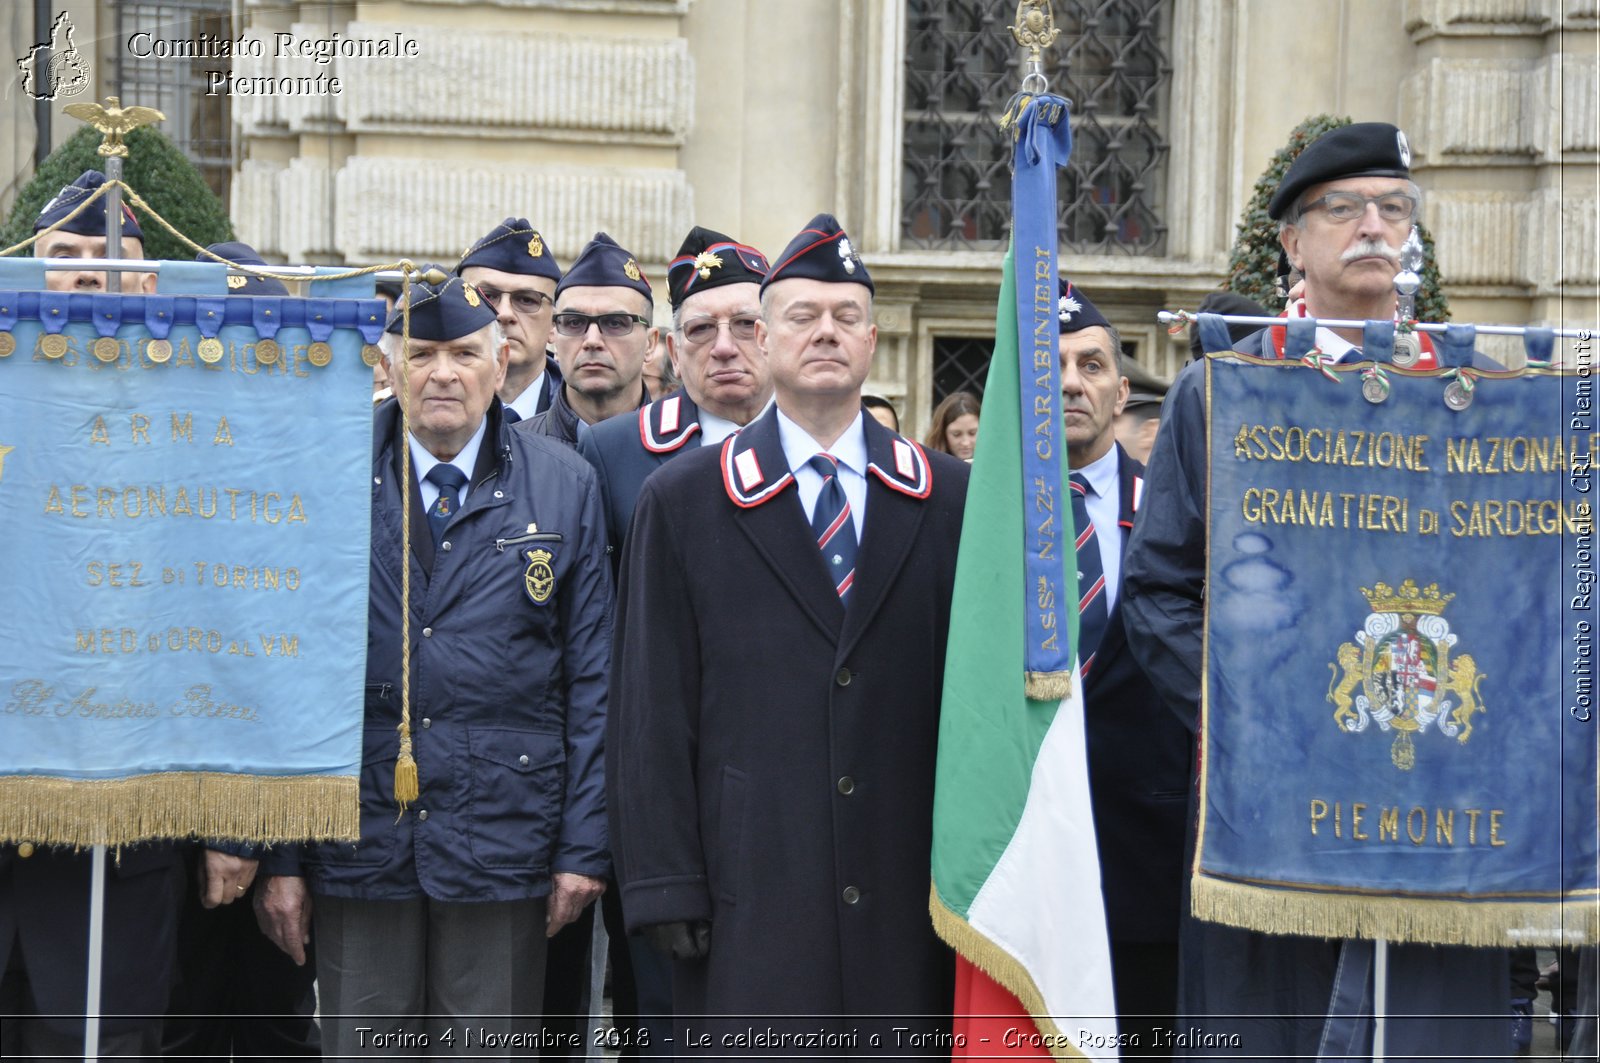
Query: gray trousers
point(423, 978)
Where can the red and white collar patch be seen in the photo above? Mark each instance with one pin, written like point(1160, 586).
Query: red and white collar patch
point(742, 477)
point(661, 427)
point(911, 475)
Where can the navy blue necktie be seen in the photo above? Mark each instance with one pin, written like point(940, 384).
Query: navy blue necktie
point(834, 527)
point(448, 479)
point(509, 415)
point(1092, 615)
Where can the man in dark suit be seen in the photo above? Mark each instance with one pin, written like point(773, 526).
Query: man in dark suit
point(776, 698)
point(1139, 752)
point(514, 269)
point(715, 288)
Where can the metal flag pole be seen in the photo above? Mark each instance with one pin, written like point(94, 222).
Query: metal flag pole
point(97, 924)
point(1169, 317)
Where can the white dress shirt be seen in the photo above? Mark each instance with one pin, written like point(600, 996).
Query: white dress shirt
point(850, 451)
point(466, 461)
point(1103, 502)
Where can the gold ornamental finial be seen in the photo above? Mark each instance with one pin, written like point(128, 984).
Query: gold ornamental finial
point(1035, 29)
point(113, 121)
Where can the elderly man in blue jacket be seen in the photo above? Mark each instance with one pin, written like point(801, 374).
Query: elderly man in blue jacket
point(439, 913)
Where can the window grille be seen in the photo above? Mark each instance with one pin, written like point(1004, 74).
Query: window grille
point(962, 67)
point(200, 125)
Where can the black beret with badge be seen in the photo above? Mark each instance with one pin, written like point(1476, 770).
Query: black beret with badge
point(1075, 311)
point(709, 259)
point(245, 255)
point(604, 264)
point(1365, 149)
point(444, 311)
point(513, 246)
point(91, 222)
point(821, 252)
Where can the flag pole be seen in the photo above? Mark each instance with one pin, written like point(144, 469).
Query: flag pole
point(1183, 318)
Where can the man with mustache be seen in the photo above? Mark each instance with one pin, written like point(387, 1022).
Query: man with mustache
point(1343, 205)
point(602, 337)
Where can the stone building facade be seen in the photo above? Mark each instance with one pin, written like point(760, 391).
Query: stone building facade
point(643, 117)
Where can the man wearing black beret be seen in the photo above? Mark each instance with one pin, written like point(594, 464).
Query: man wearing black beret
point(1344, 207)
point(784, 601)
point(436, 920)
point(602, 337)
point(517, 275)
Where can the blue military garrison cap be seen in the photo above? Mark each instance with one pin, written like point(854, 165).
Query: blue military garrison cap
point(821, 251)
point(445, 311)
point(1075, 311)
point(91, 222)
point(244, 255)
point(604, 264)
point(513, 246)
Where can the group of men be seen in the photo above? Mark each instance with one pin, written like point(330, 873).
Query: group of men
point(687, 655)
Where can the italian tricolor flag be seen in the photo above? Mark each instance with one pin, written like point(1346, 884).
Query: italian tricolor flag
point(1016, 877)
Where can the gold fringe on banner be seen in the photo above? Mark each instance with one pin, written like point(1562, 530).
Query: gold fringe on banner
point(46, 810)
point(1001, 966)
point(1047, 686)
point(1494, 923)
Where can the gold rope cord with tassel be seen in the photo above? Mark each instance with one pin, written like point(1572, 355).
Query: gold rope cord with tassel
point(406, 787)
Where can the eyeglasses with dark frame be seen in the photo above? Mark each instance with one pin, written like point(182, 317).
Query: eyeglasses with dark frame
point(1348, 206)
point(523, 301)
point(572, 323)
point(703, 330)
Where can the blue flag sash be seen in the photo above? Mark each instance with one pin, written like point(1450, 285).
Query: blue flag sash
point(1397, 706)
point(1043, 143)
point(186, 529)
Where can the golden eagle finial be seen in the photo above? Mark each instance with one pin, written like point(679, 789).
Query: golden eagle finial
point(114, 120)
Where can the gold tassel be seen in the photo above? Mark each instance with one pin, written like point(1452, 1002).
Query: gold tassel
point(405, 777)
point(1443, 921)
point(1047, 686)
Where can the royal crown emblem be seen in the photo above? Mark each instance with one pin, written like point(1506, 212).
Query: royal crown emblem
point(538, 579)
point(1401, 660)
point(536, 246)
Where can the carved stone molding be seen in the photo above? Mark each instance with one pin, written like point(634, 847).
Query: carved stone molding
point(1544, 241)
point(555, 86)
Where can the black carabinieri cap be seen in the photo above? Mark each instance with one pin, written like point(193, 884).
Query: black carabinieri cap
point(822, 252)
point(245, 255)
point(709, 259)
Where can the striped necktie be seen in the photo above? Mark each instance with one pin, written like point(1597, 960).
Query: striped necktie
point(1092, 615)
point(834, 527)
point(448, 479)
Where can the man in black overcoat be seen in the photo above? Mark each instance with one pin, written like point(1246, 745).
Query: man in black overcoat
point(783, 610)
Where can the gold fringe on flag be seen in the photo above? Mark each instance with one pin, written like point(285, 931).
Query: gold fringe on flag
point(1451, 921)
point(1001, 966)
point(45, 810)
point(1047, 686)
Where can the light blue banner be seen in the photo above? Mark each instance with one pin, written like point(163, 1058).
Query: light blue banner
point(1398, 731)
point(186, 535)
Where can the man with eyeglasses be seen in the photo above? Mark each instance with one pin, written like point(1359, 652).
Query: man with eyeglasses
point(1344, 207)
point(602, 337)
point(781, 622)
point(715, 288)
point(517, 275)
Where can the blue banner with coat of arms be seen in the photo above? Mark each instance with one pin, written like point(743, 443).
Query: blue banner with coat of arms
point(184, 507)
point(1398, 734)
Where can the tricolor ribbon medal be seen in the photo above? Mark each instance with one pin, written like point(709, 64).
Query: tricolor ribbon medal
point(538, 579)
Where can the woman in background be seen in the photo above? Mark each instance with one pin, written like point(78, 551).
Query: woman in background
point(955, 425)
